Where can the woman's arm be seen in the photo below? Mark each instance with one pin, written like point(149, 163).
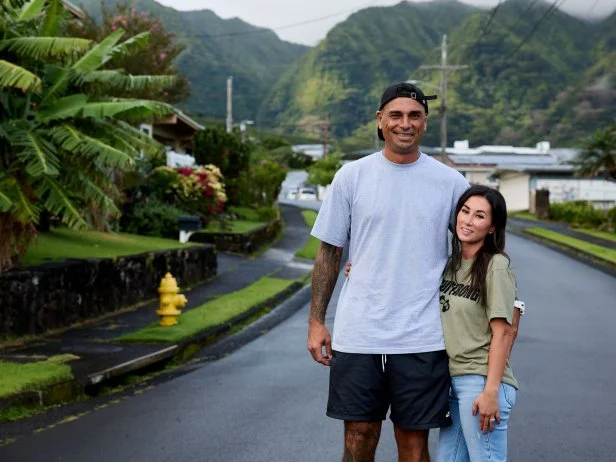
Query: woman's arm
point(486, 403)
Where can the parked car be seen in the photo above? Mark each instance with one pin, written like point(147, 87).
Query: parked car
point(307, 194)
point(292, 194)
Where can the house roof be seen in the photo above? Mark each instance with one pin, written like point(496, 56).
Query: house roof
point(74, 10)
point(525, 168)
point(179, 116)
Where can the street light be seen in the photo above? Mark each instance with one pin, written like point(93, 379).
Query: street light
point(243, 125)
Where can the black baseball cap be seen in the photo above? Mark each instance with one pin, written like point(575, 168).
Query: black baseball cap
point(403, 90)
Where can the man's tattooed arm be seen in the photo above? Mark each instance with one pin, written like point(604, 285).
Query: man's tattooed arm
point(324, 277)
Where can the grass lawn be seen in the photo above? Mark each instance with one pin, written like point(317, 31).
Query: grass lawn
point(18, 377)
point(62, 243)
point(593, 232)
point(525, 216)
point(312, 245)
point(592, 249)
point(212, 313)
point(235, 227)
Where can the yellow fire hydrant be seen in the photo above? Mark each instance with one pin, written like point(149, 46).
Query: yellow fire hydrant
point(170, 301)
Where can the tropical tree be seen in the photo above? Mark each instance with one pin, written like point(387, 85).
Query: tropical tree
point(157, 59)
point(322, 171)
point(598, 156)
point(62, 139)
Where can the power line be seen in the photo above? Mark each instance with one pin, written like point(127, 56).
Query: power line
point(487, 26)
point(547, 13)
point(286, 26)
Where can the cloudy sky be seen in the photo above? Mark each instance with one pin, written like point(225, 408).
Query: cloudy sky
point(318, 16)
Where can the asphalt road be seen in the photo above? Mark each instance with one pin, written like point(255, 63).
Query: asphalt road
point(266, 401)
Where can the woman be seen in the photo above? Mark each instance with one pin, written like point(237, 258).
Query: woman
point(477, 298)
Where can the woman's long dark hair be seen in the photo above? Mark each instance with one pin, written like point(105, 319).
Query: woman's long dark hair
point(493, 244)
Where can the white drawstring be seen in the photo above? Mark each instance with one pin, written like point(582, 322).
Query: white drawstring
point(383, 361)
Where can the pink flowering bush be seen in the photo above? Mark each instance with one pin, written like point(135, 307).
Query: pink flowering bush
point(199, 190)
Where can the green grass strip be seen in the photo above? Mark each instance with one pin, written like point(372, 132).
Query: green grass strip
point(62, 243)
point(600, 234)
point(311, 247)
point(235, 227)
point(592, 249)
point(20, 377)
point(525, 216)
point(212, 313)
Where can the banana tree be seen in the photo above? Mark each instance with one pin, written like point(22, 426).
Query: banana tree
point(62, 138)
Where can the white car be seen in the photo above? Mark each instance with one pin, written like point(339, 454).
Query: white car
point(307, 194)
point(292, 195)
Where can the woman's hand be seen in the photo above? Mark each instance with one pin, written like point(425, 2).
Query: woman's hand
point(486, 406)
point(347, 269)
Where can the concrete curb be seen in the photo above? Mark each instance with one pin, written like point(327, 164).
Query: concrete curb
point(284, 304)
point(576, 254)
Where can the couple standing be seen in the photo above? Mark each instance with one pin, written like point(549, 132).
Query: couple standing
point(416, 332)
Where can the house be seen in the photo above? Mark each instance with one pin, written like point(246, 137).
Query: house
point(77, 12)
point(519, 185)
point(519, 172)
point(176, 133)
point(315, 151)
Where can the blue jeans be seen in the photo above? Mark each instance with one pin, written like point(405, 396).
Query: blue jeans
point(464, 441)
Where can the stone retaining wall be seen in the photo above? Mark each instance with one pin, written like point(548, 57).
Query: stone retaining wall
point(241, 243)
point(55, 295)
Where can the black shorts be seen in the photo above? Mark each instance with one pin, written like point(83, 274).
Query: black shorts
point(362, 387)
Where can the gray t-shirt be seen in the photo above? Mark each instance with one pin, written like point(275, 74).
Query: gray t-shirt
point(396, 218)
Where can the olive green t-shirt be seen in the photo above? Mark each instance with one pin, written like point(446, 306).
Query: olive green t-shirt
point(466, 322)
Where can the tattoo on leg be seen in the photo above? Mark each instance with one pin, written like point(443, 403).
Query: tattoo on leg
point(360, 441)
point(324, 276)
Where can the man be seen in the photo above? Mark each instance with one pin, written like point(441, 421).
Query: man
point(394, 207)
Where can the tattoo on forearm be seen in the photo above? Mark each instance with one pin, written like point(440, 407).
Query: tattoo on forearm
point(324, 276)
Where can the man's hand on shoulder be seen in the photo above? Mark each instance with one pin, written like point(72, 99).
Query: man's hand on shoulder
point(318, 337)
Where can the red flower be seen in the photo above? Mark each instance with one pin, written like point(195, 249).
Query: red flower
point(185, 171)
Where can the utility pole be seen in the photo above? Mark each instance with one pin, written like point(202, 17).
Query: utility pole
point(325, 126)
point(445, 70)
point(229, 104)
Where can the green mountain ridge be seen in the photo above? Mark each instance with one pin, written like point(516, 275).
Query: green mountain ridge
point(216, 49)
point(522, 58)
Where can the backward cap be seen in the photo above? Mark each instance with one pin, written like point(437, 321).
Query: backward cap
point(403, 90)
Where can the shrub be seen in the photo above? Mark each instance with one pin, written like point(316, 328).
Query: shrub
point(154, 218)
point(580, 213)
point(199, 191)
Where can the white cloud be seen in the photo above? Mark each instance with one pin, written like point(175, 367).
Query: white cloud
point(275, 14)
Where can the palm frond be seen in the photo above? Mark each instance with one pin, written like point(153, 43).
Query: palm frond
point(61, 78)
point(45, 47)
point(57, 201)
point(31, 10)
point(39, 155)
point(137, 137)
point(95, 58)
point(106, 155)
point(94, 191)
point(21, 207)
point(114, 79)
point(5, 202)
point(132, 109)
point(13, 76)
point(127, 47)
point(70, 138)
point(53, 18)
point(63, 108)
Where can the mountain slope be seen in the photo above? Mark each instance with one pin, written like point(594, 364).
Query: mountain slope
point(344, 75)
point(520, 58)
point(219, 48)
